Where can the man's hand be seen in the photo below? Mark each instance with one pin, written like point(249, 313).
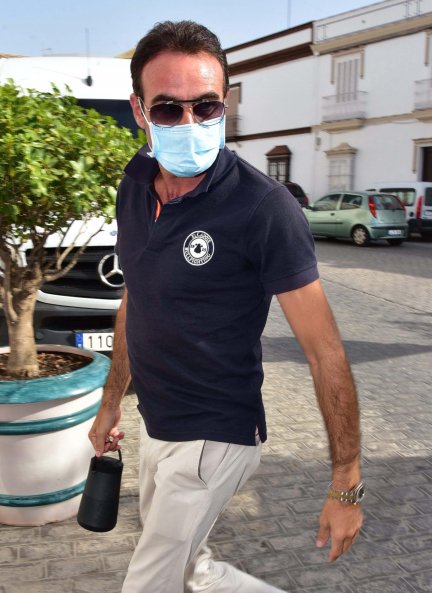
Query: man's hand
point(104, 434)
point(340, 521)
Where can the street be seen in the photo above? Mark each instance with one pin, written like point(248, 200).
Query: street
point(380, 296)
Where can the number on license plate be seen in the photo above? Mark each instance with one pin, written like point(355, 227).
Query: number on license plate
point(98, 341)
point(395, 232)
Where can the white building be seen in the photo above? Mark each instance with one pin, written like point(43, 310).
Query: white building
point(339, 103)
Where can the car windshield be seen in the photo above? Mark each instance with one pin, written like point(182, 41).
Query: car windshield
point(428, 196)
point(387, 202)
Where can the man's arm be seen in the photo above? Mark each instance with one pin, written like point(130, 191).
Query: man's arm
point(313, 324)
point(108, 418)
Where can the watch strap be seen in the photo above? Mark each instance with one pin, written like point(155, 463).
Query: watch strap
point(352, 496)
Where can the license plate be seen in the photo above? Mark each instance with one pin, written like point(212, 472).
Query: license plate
point(395, 232)
point(98, 341)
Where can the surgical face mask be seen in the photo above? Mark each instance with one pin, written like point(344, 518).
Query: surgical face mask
point(187, 150)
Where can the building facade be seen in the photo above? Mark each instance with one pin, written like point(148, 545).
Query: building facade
point(340, 103)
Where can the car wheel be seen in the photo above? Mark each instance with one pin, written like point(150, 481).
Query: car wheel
point(395, 242)
point(360, 236)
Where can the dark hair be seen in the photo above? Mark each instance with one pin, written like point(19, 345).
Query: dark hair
point(185, 37)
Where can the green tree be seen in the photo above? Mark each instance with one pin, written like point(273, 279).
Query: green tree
point(59, 164)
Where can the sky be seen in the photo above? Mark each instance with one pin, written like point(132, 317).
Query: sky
point(53, 27)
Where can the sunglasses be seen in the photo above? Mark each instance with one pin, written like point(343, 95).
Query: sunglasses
point(206, 112)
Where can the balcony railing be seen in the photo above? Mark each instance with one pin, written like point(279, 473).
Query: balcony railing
point(423, 94)
point(344, 106)
point(232, 127)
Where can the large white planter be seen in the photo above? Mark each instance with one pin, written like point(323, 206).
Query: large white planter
point(44, 449)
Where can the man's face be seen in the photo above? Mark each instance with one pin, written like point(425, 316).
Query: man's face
point(173, 76)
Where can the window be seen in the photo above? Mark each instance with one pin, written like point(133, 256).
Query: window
point(428, 50)
point(278, 163)
point(406, 195)
point(232, 112)
point(427, 155)
point(341, 167)
point(340, 173)
point(351, 202)
point(387, 203)
point(347, 69)
point(327, 203)
point(119, 109)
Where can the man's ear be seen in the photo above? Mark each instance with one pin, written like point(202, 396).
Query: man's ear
point(226, 98)
point(133, 99)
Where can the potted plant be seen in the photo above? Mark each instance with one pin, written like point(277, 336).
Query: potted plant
point(60, 165)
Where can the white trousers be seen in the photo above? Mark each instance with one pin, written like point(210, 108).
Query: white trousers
point(184, 486)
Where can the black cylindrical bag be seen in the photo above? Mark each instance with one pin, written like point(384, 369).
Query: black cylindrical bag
point(100, 501)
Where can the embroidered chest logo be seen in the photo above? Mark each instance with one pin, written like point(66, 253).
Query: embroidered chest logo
point(198, 248)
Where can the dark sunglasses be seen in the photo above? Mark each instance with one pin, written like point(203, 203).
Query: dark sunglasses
point(170, 113)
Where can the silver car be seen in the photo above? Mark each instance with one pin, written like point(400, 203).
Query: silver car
point(361, 216)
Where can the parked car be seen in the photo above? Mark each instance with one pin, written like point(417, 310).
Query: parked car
point(361, 216)
point(416, 196)
point(297, 192)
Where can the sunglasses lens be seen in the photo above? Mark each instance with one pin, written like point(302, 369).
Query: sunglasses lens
point(166, 114)
point(208, 110)
point(170, 114)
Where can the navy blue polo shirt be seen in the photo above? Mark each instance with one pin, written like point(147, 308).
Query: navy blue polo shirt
point(200, 280)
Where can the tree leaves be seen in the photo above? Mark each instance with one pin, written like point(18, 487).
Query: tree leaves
point(58, 161)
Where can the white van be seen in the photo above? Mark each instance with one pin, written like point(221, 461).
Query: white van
point(417, 199)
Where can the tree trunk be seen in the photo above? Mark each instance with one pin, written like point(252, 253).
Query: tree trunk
point(23, 360)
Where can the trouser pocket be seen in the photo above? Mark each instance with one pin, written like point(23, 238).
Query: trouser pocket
point(212, 455)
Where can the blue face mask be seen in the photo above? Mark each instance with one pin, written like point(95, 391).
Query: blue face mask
point(187, 150)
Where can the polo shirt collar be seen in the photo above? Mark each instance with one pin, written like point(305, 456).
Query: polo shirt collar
point(143, 169)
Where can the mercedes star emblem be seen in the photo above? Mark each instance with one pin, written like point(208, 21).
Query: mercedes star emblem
point(110, 272)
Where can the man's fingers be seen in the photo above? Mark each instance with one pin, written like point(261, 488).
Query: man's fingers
point(340, 547)
point(336, 550)
point(322, 536)
point(104, 435)
point(112, 440)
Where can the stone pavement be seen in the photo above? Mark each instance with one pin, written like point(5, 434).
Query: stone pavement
point(269, 528)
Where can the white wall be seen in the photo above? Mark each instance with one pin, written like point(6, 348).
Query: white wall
point(278, 97)
point(384, 151)
point(302, 164)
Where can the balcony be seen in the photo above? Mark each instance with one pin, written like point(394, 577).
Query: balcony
point(232, 127)
point(344, 111)
point(423, 94)
point(344, 106)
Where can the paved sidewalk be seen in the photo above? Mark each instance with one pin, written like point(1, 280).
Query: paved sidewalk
point(269, 528)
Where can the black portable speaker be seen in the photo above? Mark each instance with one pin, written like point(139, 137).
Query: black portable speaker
point(100, 501)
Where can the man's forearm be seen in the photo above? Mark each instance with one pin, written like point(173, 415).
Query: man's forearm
point(336, 394)
point(119, 376)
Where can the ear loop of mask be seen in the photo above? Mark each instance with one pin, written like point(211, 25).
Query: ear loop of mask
point(149, 140)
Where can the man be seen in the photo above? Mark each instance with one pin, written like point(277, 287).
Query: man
point(204, 241)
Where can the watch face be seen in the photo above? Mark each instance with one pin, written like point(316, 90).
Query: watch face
point(360, 492)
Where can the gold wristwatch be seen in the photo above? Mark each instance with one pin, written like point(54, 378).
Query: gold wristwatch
point(353, 496)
